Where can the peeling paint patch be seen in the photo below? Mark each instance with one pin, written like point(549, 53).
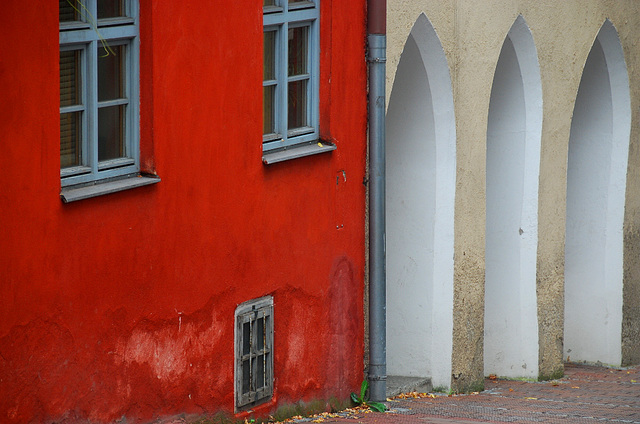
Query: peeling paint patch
point(167, 350)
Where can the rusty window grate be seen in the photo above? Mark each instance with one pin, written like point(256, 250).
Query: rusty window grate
point(254, 352)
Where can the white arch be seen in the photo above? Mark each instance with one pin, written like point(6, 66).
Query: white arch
point(596, 183)
point(513, 167)
point(421, 166)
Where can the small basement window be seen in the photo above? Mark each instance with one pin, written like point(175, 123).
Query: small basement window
point(254, 352)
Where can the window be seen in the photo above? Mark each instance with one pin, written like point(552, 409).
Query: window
point(99, 137)
point(290, 73)
point(254, 352)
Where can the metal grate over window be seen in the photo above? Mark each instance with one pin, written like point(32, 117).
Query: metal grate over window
point(254, 352)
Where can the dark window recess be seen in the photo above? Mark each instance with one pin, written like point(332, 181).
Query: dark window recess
point(254, 352)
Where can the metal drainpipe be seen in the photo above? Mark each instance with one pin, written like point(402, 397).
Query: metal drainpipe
point(377, 44)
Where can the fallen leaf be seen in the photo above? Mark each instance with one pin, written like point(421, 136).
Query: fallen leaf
point(493, 377)
point(575, 387)
point(511, 390)
point(531, 398)
point(633, 381)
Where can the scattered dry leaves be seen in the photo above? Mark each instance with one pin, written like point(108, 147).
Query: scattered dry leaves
point(414, 395)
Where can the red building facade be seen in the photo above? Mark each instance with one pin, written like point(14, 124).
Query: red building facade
point(124, 304)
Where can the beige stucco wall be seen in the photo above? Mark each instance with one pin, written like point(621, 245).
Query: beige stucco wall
point(472, 33)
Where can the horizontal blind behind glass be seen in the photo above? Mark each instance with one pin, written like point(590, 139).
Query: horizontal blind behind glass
point(70, 122)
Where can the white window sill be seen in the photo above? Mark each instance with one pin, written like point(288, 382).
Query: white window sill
point(101, 188)
point(297, 151)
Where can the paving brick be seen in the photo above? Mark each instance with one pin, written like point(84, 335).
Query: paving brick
point(586, 394)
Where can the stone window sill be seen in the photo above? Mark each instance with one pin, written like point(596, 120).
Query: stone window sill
point(101, 188)
point(297, 151)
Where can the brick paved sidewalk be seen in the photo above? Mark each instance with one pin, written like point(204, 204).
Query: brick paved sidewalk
point(587, 394)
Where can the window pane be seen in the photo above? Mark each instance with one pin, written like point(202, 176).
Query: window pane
point(70, 78)
point(260, 334)
point(297, 104)
point(111, 132)
point(298, 50)
point(268, 108)
point(260, 377)
point(68, 10)
point(110, 9)
point(111, 73)
point(269, 3)
point(269, 71)
point(246, 338)
point(70, 136)
point(246, 376)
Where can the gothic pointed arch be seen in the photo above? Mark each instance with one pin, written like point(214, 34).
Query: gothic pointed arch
point(596, 184)
point(421, 166)
point(514, 131)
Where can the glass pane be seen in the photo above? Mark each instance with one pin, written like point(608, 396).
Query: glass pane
point(111, 73)
point(260, 366)
point(246, 377)
point(298, 50)
point(268, 108)
point(111, 132)
point(70, 136)
point(246, 338)
point(70, 78)
point(269, 64)
point(297, 104)
point(110, 9)
point(260, 334)
point(69, 10)
point(269, 3)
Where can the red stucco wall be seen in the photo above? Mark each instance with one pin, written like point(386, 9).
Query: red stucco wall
point(123, 305)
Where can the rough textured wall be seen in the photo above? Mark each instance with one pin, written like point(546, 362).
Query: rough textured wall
point(121, 307)
point(627, 22)
point(472, 34)
point(631, 300)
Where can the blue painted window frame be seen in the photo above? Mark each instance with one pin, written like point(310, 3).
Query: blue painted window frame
point(87, 36)
point(280, 18)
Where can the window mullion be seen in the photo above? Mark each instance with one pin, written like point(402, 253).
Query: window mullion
point(133, 92)
point(91, 92)
point(92, 7)
point(313, 67)
point(283, 81)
